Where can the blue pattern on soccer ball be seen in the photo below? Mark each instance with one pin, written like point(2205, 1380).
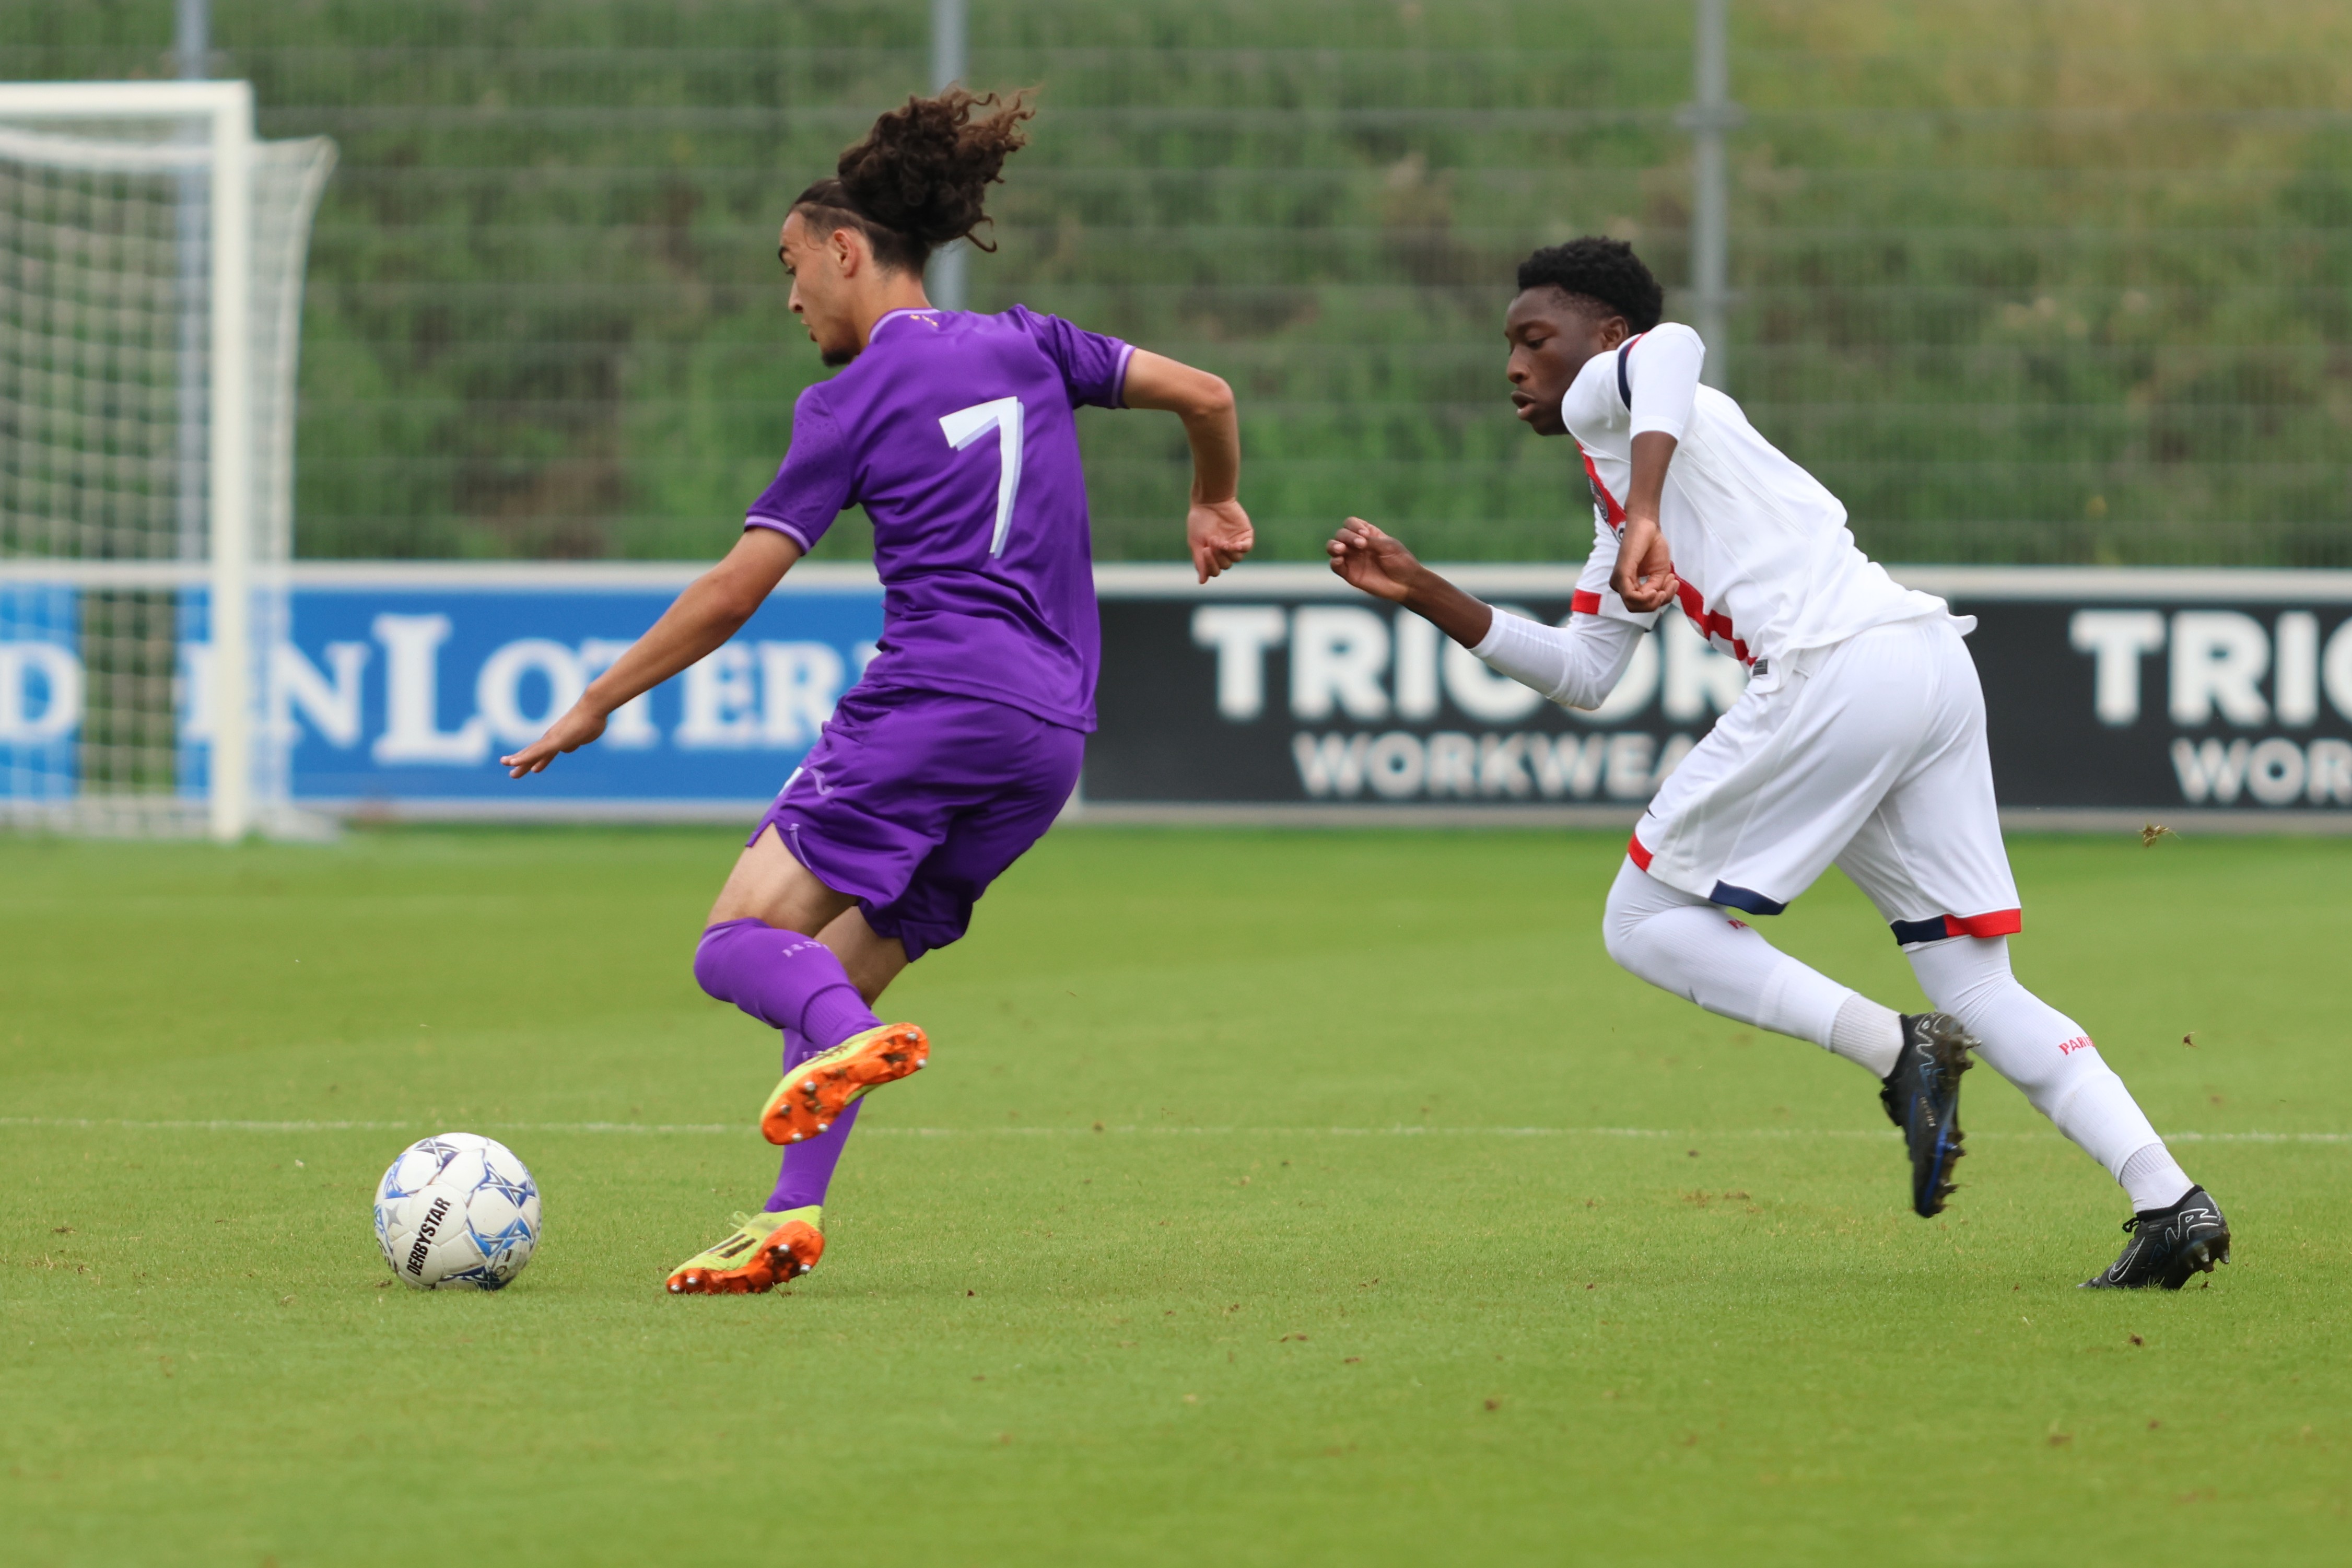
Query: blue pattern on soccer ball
point(514, 1192)
point(501, 1246)
point(482, 1277)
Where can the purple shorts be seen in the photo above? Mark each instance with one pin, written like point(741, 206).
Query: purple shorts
point(914, 801)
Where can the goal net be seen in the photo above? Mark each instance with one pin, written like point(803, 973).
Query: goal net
point(151, 255)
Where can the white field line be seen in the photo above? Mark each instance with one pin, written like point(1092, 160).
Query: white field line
point(719, 1128)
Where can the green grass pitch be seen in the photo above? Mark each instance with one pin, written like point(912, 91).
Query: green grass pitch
point(1270, 1199)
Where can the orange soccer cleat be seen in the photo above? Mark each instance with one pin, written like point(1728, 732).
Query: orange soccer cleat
point(824, 1086)
point(765, 1250)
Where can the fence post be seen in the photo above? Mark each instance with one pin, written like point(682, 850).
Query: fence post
point(1707, 119)
point(192, 59)
point(946, 279)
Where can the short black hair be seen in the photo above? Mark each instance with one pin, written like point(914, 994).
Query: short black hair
point(1603, 270)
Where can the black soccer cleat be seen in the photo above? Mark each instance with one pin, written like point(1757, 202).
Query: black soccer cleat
point(1923, 1098)
point(2167, 1246)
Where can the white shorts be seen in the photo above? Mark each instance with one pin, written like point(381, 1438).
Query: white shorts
point(1868, 754)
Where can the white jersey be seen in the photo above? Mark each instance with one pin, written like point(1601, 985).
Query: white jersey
point(1767, 565)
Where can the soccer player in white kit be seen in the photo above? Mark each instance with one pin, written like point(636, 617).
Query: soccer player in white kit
point(1860, 742)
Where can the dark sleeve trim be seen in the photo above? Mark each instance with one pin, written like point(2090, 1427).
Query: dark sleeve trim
point(1625, 381)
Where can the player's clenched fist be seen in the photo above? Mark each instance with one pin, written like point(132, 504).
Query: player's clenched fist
point(1369, 560)
point(1644, 576)
point(1219, 534)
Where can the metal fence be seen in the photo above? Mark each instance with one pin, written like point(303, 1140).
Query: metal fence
point(2058, 283)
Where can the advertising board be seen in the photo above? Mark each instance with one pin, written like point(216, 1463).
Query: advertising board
point(2223, 697)
point(395, 687)
point(2216, 696)
point(402, 693)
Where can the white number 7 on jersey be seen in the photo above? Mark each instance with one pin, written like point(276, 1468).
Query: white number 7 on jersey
point(965, 426)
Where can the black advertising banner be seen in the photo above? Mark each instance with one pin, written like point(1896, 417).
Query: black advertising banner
point(1312, 698)
point(2110, 691)
point(2166, 691)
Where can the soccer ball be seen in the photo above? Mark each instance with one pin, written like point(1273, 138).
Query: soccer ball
point(457, 1211)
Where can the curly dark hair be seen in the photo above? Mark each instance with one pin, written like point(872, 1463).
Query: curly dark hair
point(920, 178)
point(1605, 271)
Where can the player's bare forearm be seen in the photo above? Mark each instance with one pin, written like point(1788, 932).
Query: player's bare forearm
point(1379, 565)
point(1215, 527)
point(713, 608)
point(1205, 404)
point(1653, 451)
point(1645, 577)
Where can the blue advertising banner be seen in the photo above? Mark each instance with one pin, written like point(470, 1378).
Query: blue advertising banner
point(406, 691)
point(394, 689)
point(41, 692)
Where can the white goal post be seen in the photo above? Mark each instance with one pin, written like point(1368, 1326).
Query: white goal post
point(152, 254)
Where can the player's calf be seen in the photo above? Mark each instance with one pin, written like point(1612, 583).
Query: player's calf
point(822, 1087)
point(2168, 1244)
point(1922, 1097)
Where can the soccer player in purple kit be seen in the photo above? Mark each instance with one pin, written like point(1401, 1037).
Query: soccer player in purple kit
point(961, 744)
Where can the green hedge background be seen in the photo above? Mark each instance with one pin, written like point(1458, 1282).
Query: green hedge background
point(2064, 281)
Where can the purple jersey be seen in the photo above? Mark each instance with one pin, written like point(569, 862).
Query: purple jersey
point(957, 434)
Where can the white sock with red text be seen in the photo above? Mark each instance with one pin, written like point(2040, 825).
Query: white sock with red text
point(2040, 1049)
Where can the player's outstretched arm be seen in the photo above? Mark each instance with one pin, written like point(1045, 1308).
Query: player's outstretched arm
point(1369, 560)
point(1576, 664)
point(1215, 526)
point(713, 608)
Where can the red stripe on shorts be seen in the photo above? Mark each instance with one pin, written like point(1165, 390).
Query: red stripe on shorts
point(1584, 604)
point(1641, 857)
point(2000, 922)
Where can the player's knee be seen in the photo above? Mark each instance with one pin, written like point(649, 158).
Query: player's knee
point(710, 966)
point(1640, 942)
point(1966, 976)
point(1631, 921)
point(1619, 925)
point(1617, 939)
point(1632, 902)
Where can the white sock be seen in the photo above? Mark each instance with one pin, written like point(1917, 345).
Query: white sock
point(1683, 944)
point(1866, 1033)
point(2035, 1046)
point(2154, 1179)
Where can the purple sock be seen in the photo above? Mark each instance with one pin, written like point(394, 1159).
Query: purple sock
point(785, 980)
point(808, 1166)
